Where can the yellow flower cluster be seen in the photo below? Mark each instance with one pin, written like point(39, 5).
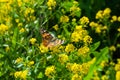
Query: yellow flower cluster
point(103, 14)
point(83, 51)
point(43, 49)
point(21, 74)
point(51, 3)
point(64, 19)
point(80, 34)
point(18, 60)
point(98, 27)
point(63, 58)
point(115, 18)
point(69, 48)
point(117, 69)
point(112, 48)
point(32, 40)
point(76, 77)
point(3, 28)
point(50, 71)
point(84, 20)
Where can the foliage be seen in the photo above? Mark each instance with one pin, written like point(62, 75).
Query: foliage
point(82, 48)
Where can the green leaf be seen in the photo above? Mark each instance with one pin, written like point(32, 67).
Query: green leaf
point(95, 46)
point(40, 75)
point(99, 58)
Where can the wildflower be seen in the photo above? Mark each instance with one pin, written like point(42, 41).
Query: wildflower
point(32, 40)
point(87, 39)
point(16, 20)
point(84, 20)
point(19, 3)
point(63, 58)
point(21, 74)
point(99, 14)
point(50, 71)
point(105, 77)
point(112, 48)
point(43, 49)
point(118, 75)
point(69, 48)
point(22, 30)
point(83, 51)
point(30, 63)
point(18, 60)
point(64, 19)
point(76, 77)
point(119, 18)
point(117, 67)
point(3, 28)
point(51, 3)
point(114, 18)
point(118, 30)
point(75, 68)
point(56, 27)
point(107, 12)
point(20, 24)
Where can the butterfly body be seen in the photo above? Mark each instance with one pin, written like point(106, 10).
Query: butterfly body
point(48, 40)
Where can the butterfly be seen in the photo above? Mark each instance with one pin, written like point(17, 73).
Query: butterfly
point(49, 40)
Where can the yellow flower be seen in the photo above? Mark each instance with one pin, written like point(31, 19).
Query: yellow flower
point(64, 19)
point(118, 29)
point(32, 40)
point(20, 24)
point(87, 39)
point(119, 18)
point(21, 74)
point(84, 20)
point(112, 48)
point(50, 71)
point(69, 48)
point(117, 67)
point(30, 63)
point(51, 3)
point(22, 30)
point(18, 60)
point(107, 12)
point(105, 77)
point(99, 14)
point(76, 77)
point(63, 58)
point(3, 28)
point(56, 27)
point(43, 49)
point(118, 75)
point(7, 48)
point(83, 51)
point(75, 68)
point(114, 18)
point(16, 20)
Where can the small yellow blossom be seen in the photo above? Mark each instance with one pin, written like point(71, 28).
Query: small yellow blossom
point(118, 75)
point(18, 60)
point(87, 39)
point(119, 18)
point(56, 27)
point(69, 48)
point(99, 14)
point(112, 48)
point(114, 18)
point(83, 51)
point(118, 30)
point(104, 77)
point(50, 71)
point(64, 19)
point(43, 49)
point(16, 20)
point(3, 28)
point(84, 20)
point(63, 58)
point(20, 24)
point(117, 67)
point(31, 63)
point(76, 77)
point(74, 20)
point(51, 3)
point(22, 30)
point(75, 68)
point(107, 12)
point(32, 40)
